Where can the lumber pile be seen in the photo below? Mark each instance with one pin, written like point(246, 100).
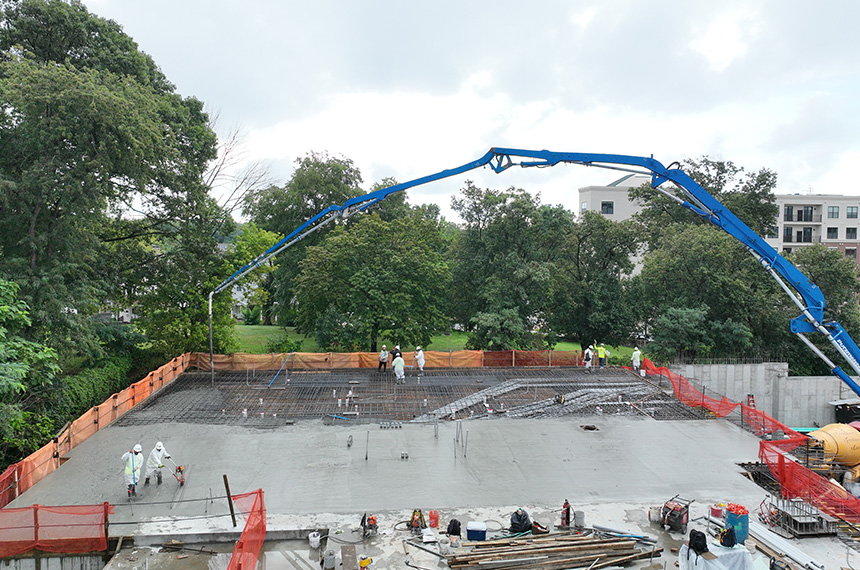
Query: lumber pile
point(559, 551)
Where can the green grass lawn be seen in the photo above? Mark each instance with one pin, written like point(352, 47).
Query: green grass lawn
point(252, 339)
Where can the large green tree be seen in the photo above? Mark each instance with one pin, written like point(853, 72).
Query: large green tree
point(588, 297)
point(375, 279)
point(504, 263)
point(101, 166)
point(318, 182)
point(27, 370)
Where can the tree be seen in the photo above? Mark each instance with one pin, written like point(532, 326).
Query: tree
point(248, 245)
point(701, 267)
point(26, 369)
point(588, 298)
point(318, 182)
point(837, 277)
point(748, 195)
point(99, 159)
point(374, 279)
point(504, 262)
point(686, 333)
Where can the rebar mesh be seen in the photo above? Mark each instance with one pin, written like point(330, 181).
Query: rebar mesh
point(259, 399)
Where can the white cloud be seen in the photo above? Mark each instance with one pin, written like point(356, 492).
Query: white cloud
point(725, 40)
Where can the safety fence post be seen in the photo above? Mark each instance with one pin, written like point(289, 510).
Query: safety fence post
point(513, 358)
point(482, 359)
point(550, 357)
point(35, 524)
point(451, 359)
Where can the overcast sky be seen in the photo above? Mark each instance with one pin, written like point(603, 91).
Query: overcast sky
point(406, 89)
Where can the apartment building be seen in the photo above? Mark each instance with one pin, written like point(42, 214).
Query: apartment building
point(804, 219)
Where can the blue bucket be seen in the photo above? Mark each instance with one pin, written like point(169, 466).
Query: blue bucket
point(741, 524)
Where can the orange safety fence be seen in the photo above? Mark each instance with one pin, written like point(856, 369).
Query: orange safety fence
point(72, 529)
point(21, 476)
point(250, 542)
point(432, 359)
point(795, 479)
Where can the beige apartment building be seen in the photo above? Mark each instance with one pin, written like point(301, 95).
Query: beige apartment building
point(804, 219)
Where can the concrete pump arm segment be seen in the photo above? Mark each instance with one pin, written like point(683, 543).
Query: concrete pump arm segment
point(683, 189)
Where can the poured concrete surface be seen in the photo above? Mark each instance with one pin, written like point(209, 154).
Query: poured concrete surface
point(308, 467)
point(312, 480)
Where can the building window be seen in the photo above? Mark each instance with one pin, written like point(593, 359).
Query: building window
point(607, 208)
point(850, 233)
point(851, 252)
point(832, 212)
point(807, 235)
point(786, 235)
point(583, 207)
point(832, 233)
point(851, 212)
point(788, 214)
point(806, 215)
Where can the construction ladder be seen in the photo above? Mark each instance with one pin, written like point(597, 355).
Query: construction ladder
point(751, 401)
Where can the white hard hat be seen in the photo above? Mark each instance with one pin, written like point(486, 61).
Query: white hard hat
point(383, 346)
point(417, 348)
point(138, 448)
point(159, 446)
point(397, 346)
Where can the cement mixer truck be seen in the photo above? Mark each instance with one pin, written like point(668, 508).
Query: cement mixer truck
point(836, 451)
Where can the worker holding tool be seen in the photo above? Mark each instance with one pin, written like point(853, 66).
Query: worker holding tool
point(133, 462)
point(155, 462)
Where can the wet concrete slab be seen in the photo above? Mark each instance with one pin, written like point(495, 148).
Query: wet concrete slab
point(308, 467)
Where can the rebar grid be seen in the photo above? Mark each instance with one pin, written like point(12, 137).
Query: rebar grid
point(260, 399)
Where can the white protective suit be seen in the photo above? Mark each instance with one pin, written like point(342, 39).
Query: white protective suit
point(419, 359)
point(133, 462)
point(156, 461)
point(588, 357)
point(636, 359)
point(398, 366)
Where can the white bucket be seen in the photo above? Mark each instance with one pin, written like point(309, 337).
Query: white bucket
point(314, 539)
point(444, 545)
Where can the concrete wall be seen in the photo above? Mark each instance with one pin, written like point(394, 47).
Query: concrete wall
point(796, 401)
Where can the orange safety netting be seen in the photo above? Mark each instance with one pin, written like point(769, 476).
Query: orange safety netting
point(248, 546)
point(32, 469)
point(71, 529)
point(796, 480)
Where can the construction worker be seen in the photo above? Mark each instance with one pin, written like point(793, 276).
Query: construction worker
point(588, 357)
point(636, 359)
point(419, 360)
point(133, 459)
point(156, 462)
point(602, 353)
point(398, 366)
point(383, 360)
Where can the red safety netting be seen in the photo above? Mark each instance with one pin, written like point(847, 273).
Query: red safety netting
point(70, 530)
point(688, 394)
point(796, 480)
point(248, 546)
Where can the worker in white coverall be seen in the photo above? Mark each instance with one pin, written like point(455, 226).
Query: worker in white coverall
point(156, 462)
point(419, 360)
point(636, 359)
point(588, 357)
point(133, 460)
point(398, 366)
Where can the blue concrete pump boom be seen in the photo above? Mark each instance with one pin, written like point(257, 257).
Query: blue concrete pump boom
point(683, 189)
